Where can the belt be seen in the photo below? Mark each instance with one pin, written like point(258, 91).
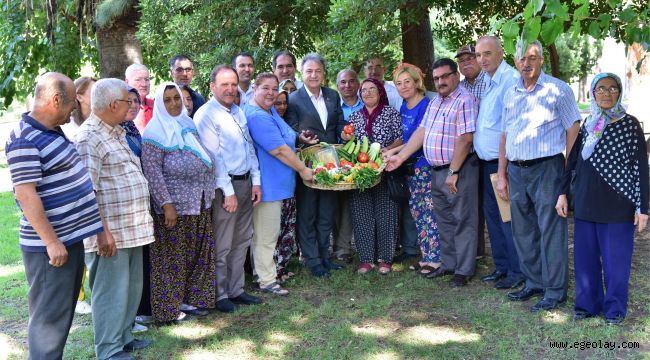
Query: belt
point(441, 167)
point(491, 162)
point(529, 163)
point(245, 176)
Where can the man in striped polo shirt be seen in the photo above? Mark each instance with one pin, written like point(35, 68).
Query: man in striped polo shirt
point(540, 120)
point(55, 193)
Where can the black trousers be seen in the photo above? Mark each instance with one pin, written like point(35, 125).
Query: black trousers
point(316, 211)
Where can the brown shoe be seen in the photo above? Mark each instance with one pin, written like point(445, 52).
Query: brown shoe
point(458, 280)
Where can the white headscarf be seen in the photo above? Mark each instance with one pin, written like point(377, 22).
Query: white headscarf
point(171, 133)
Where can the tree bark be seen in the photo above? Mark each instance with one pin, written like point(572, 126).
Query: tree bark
point(417, 39)
point(555, 61)
point(117, 44)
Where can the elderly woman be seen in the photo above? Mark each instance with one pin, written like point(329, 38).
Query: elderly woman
point(288, 85)
point(611, 197)
point(374, 213)
point(409, 81)
point(133, 137)
point(275, 144)
point(286, 245)
point(181, 177)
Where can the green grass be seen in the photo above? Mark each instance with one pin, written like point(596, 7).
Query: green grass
point(399, 316)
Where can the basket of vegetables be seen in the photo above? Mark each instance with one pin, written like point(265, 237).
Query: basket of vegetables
point(355, 165)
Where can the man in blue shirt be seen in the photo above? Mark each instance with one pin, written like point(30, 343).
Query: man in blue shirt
point(540, 121)
point(499, 78)
point(55, 194)
point(347, 83)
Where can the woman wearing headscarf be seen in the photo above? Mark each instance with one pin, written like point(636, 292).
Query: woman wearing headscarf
point(275, 144)
point(610, 198)
point(286, 245)
point(374, 213)
point(409, 81)
point(288, 85)
point(133, 137)
point(181, 177)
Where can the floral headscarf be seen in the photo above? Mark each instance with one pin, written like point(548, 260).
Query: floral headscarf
point(600, 118)
point(383, 101)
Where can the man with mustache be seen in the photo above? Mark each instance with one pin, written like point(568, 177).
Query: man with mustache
point(222, 128)
point(446, 134)
point(474, 80)
point(540, 120)
point(182, 71)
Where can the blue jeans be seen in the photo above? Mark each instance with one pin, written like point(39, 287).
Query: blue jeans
point(540, 234)
point(504, 253)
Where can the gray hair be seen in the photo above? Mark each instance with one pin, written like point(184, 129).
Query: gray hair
point(105, 91)
point(313, 57)
point(133, 68)
point(342, 72)
point(494, 39)
point(521, 50)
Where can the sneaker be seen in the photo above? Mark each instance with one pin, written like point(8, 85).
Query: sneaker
point(144, 319)
point(138, 328)
point(82, 308)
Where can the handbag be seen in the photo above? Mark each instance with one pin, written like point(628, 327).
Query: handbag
point(398, 189)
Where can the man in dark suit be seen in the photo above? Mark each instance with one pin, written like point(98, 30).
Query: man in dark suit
point(317, 109)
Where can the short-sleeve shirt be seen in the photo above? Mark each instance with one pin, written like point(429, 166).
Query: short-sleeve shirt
point(270, 132)
point(411, 119)
point(445, 120)
point(43, 156)
point(122, 190)
point(535, 121)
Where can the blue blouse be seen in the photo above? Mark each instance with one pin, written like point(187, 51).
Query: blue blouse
point(411, 119)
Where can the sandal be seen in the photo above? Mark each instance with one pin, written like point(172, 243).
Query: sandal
point(275, 289)
point(427, 269)
point(415, 267)
point(384, 268)
point(364, 268)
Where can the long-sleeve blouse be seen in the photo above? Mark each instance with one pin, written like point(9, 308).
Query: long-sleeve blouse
point(612, 183)
point(178, 177)
point(386, 128)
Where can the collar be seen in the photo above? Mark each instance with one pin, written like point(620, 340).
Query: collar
point(540, 82)
point(111, 130)
point(454, 94)
point(312, 95)
point(26, 117)
point(250, 89)
point(344, 104)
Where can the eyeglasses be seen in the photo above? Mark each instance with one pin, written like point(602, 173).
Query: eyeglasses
point(129, 101)
point(372, 90)
point(612, 90)
point(443, 76)
point(180, 70)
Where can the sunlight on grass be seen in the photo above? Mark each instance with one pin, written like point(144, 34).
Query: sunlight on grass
point(236, 348)
point(10, 270)
point(195, 331)
point(9, 347)
point(386, 355)
point(377, 328)
point(555, 317)
point(277, 341)
point(436, 335)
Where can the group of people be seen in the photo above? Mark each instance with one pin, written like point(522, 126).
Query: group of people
point(169, 195)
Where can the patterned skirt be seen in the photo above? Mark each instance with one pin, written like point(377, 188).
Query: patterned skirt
point(182, 265)
point(286, 245)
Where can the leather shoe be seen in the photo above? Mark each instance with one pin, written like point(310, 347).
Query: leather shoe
point(508, 283)
point(226, 306)
point(458, 280)
point(495, 276)
point(246, 299)
point(438, 273)
point(121, 355)
point(331, 265)
point(136, 344)
point(617, 320)
point(319, 271)
point(581, 315)
point(546, 304)
point(524, 294)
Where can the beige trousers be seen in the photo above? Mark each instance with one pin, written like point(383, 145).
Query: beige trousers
point(266, 230)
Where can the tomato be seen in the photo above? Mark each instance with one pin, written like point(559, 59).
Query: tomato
point(373, 165)
point(344, 162)
point(348, 129)
point(320, 169)
point(330, 166)
point(362, 157)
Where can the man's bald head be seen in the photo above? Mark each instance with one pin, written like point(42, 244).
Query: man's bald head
point(54, 99)
point(489, 53)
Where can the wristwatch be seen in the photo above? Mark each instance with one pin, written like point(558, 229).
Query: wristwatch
point(452, 172)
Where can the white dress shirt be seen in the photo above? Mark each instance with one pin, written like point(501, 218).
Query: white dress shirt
point(245, 96)
point(225, 134)
point(394, 99)
point(319, 104)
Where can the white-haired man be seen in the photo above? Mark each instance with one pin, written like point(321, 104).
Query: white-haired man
point(115, 265)
point(137, 76)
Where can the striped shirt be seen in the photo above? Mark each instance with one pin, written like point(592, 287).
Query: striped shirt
point(43, 156)
point(122, 190)
point(535, 122)
point(480, 84)
point(446, 119)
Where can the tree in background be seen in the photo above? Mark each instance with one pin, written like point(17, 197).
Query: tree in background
point(579, 56)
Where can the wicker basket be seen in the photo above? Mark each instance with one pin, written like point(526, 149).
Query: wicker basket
point(339, 186)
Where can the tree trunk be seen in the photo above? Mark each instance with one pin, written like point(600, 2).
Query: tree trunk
point(555, 61)
point(117, 44)
point(417, 39)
